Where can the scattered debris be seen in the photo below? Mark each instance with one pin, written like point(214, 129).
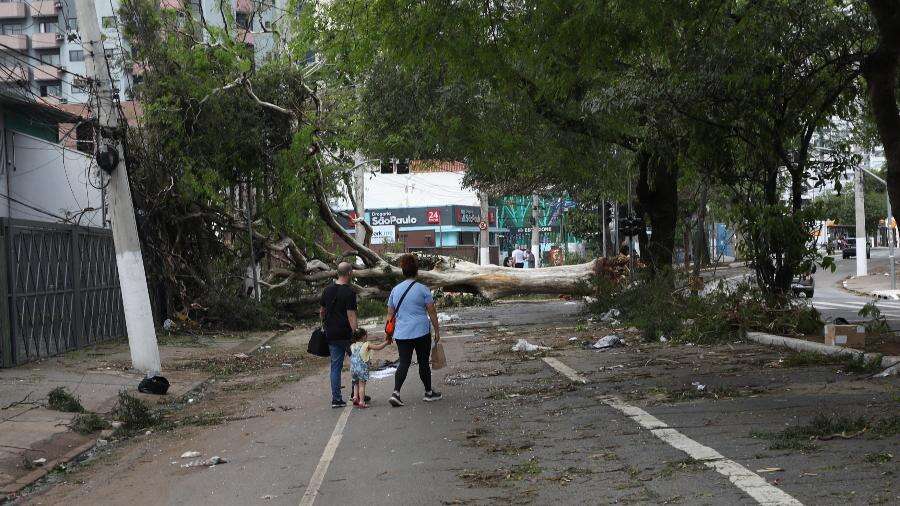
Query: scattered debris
point(383, 373)
point(573, 338)
point(102, 442)
point(191, 400)
point(148, 433)
point(115, 424)
point(267, 497)
point(770, 470)
point(610, 341)
point(447, 318)
point(699, 386)
point(168, 325)
point(663, 339)
point(610, 315)
point(634, 330)
point(210, 462)
point(190, 455)
point(523, 345)
point(241, 355)
point(39, 462)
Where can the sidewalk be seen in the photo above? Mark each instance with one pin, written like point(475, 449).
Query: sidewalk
point(30, 431)
point(874, 285)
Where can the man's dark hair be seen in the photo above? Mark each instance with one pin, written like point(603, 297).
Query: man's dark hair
point(410, 265)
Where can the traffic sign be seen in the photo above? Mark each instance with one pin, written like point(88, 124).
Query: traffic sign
point(482, 226)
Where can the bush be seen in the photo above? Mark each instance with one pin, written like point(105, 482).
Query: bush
point(232, 312)
point(134, 413)
point(449, 299)
point(368, 308)
point(88, 423)
point(665, 306)
point(60, 399)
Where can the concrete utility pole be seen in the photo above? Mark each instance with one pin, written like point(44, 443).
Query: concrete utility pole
point(860, 210)
point(359, 190)
point(536, 229)
point(130, 263)
point(484, 237)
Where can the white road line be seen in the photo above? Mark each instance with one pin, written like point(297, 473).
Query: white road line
point(565, 370)
point(312, 489)
point(751, 483)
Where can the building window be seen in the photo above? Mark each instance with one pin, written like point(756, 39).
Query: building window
point(50, 59)
point(467, 238)
point(49, 27)
point(108, 22)
point(80, 85)
point(51, 90)
point(76, 55)
point(12, 29)
point(72, 24)
point(242, 20)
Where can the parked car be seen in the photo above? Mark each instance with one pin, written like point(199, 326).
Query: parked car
point(804, 283)
point(850, 251)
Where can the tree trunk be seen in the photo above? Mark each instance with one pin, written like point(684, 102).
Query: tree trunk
point(880, 70)
point(657, 191)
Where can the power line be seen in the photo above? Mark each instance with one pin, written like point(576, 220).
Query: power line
point(13, 51)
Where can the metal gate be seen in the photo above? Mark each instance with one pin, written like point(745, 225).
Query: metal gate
point(61, 289)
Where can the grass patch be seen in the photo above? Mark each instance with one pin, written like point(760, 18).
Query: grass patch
point(809, 358)
point(878, 458)
point(88, 423)
point(60, 399)
point(370, 308)
point(134, 414)
point(203, 419)
point(524, 470)
point(824, 427)
point(859, 365)
point(226, 365)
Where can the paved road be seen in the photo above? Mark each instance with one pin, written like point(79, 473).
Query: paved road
point(833, 301)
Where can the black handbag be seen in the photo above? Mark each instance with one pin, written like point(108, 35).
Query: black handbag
point(318, 344)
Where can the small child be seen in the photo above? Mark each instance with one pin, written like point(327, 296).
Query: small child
point(360, 354)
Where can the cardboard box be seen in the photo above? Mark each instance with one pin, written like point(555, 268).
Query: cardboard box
point(848, 336)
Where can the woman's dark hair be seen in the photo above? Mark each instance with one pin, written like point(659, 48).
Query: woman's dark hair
point(410, 265)
point(360, 334)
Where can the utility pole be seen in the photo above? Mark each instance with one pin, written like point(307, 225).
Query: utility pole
point(859, 197)
point(359, 190)
point(603, 224)
point(130, 263)
point(484, 234)
point(536, 229)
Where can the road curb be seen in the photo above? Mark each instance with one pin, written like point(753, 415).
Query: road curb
point(803, 345)
point(871, 295)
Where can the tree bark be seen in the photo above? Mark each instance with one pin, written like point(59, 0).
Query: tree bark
point(880, 70)
point(657, 191)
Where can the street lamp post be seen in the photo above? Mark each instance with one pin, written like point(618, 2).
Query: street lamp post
point(890, 220)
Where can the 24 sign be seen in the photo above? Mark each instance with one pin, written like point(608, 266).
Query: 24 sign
point(433, 216)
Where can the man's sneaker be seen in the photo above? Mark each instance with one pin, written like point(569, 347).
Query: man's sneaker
point(338, 404)
point(395, 400)
point(432, 396)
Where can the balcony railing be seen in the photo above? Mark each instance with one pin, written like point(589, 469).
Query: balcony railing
point(13, 42)
point(13, 75)
point(45, 72)
point(46, 40)
point(45, 9)
point(12, 10)
point(171, 4)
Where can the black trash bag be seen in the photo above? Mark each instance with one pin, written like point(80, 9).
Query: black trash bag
point(157, 385)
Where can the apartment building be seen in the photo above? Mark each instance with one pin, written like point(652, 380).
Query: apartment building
point(41, 55)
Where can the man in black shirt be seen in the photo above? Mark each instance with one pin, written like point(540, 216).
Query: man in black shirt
point(338, 312)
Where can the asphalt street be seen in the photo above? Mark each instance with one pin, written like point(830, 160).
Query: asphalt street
point(833, 301)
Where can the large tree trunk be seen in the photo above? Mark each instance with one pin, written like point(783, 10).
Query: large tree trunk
point(657, 191)
point(880, 70)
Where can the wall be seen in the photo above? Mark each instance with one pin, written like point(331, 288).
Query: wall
point(47, 176)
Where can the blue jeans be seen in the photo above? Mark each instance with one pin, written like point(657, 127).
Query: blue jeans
point(339, 350)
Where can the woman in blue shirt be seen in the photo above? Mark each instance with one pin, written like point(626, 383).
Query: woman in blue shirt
point(411, 301)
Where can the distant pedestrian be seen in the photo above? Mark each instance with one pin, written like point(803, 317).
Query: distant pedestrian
point(413, 305)
point(360, 356)
point(338, 312)
point(518, 257)
point(530, 260)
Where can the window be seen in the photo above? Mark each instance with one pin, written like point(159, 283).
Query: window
point(72, 24)
point(108, 22)
point(242, 20)
point(467, 238)
point(12, 29)
point(51, 90)
point(80, 85)
point(49, 27)
point(76, 55)
point(50, 59)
